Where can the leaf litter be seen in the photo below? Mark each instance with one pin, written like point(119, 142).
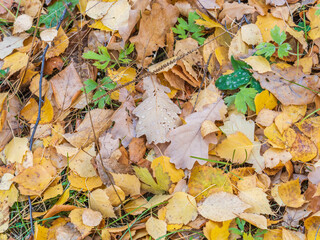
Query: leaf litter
point(160, 119)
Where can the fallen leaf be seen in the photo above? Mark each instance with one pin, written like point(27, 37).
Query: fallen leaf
point(5, 4)
point(16, 149)
point(52, 192)
point(258, 63)
point(275, 138)
point(30, 111)
point(115, 194)
point(76, 219)
point(117, 15)
point(91, 218)
point(237, 48)
point(157, 113)
point(266, 117)
point(84, 135)
point(156, 228)
point(175, 174)
point(266, 23)
point(256, 220)
point(222, 207)
point(22, 23)
point(8, 44)
point(233, 11)
point(236, 148)
point(152, 29)
point(136, 206)
point(60, 44)
point(85, 184)
point(292, 235)
point(257, 200)
point(290, 194)
point(273, 156)
point(181, 209)
point(66, 86)
point(99, 201)
point(216, 230)
point(188, 137)
point(137, 149)
point(251, 35)
point(40, 232)
point(292, 216)
point(130, 184)
point(97, 9)
point(205, 181)
point(290, 85)
point(15, 62)
point(314, 32)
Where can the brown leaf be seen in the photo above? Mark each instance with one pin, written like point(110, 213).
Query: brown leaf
point(235, 10)
point(153, 28)
point(66, 86)
point(4, 5)
point(290, 85)
point(53, 63)
point(84, 132)
point(187, 138)
point(137, 149)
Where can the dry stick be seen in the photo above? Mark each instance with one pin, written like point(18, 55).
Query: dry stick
point(89, 113)
point(203, 78)
point(177, 58)
point(39, 109)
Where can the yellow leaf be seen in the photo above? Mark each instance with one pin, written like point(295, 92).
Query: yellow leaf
point(130, 184)
point(251, 34)
point(266, 23)
point(60, 43)
point(100, 202)
point(15, 62)
point(114, 192)
point(205, 181)
point(122, 76)
point(312, 225)
point(136, 206)
point(273, 234)
point(314, 33)
point(156, 228)
point(265, 99)
point(181, 209)
point(64, 197)
point(292, 235)
point(76, 218)
point(290, 115)
point(300, 36)
point(175, 174)
point(85, 184)
point(40, 233)
point(52, 192)
point(290, 194)
point(274, 136)
point(222, 55)
point(258, 63)
point(82, 6)
point(16, 149)
point(30, 111)
point(99, 25)
point(255, 219)
point(10, 196)
point(33, 180)
point(217, 230)
point(207, 21)
point(311, 128)
point(236, 148)
point(306, 63)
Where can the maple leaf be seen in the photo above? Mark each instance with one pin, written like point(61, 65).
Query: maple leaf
point(157, 113)
point(188, 139)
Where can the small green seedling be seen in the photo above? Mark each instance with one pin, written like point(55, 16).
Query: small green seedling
point(268, 49)
point(317, 13)
point(103, 62)
point(185, 29)
point(240, 79)
point(247, 235)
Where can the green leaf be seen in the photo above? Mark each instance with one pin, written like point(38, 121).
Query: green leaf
point(283, 50)
point(245, 97)
point(277, 35)
point(237, 64)
point(230, 100)
point(236, 231)
point(266, 49)
point(234, 80)
point(102, 57)
point(55, 11)
point(256, 85)
point(90, 85)
point(317, 13)
point(108, 84)
point(302, 26)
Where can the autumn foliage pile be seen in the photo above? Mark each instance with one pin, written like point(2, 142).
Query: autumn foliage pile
point(160, 119)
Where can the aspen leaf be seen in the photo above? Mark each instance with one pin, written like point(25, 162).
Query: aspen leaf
point(99, 201)
point(290, 194)
point(22, 23)
point(257, 220)
point(312, 224)
point(314, 33)
point(114, 192)
point(265, 99)
point(156, 228)
point(274, 136)
point(236, 148)
point(181, 209)
point(251, 35)
point(91, 218)
point(16, 149)
point(130, 184)
point(266, 23)
point(40, 232)
point(216, 230)
point(273, 156)
point(311, 128)
point(136, 206)
point(52, 192)
point(30, 111)
point(222, 207)
point(76, 218)
point(85, 184)
point(60, 43)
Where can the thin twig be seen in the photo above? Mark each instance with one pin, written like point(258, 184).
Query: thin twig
point(43, 59)
point(203, 79)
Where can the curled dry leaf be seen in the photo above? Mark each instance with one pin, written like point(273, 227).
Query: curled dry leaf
point(188, 137)
point(222, 206)
point(290, 85)
point(233, 11)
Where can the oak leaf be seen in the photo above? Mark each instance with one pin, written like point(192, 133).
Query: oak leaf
point(157, 113)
